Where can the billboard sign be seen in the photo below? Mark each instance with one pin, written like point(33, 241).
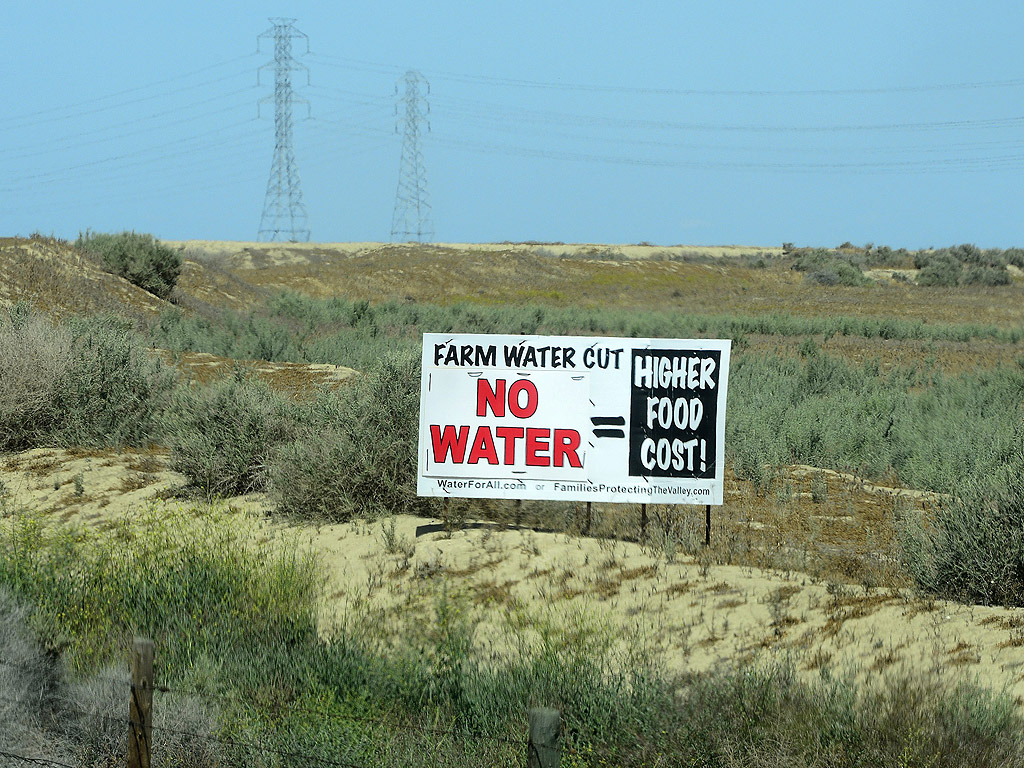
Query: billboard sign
point(573, 418)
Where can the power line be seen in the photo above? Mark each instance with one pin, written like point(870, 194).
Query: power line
point(284, 214)
point(499, 123)
point(53, 146)
point(501, 111)
point(88, 194)
point(40, 178)
point(66, 115)
point(412, 217)
point(65, 107)
point(963, 164)
point(363, 65)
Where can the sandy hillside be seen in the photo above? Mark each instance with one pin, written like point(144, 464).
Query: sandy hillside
point(54, 276)
point(692, 613)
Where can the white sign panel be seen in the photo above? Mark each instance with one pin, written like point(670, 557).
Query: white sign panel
point(573, 418)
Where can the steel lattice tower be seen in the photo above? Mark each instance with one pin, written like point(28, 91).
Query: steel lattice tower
point(411, 219)
point(284, 215)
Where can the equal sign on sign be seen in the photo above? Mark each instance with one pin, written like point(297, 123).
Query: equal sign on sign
point(603, 426)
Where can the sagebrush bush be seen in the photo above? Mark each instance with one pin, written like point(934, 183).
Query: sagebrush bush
point(1014, 256)
point(222, 435)
point(356, 454)
point(34, 355)
point(939, 269)
point(139, 258)
point(87, 382)
point(836, 272)
point(985, 275)
point(964, 264)
point(973, 550)
point(824, 267)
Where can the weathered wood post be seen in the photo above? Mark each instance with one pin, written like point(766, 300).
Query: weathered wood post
point(586, 523)
point(140, 704)
point(544, 748)
point(707, 526)
point(643, 522)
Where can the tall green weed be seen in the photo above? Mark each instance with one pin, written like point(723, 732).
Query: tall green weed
point(191, 577)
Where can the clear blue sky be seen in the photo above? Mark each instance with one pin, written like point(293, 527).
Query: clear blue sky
point(701, 123)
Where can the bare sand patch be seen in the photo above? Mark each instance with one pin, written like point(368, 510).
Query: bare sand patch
point(86, 486)
point(694, 615)
point(292, 378)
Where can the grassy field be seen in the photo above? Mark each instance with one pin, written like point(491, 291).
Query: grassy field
point(212, 472)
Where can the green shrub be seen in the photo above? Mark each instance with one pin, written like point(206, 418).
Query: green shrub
point(836, 272)
point(222, 435)
point(884, 256)
point(308, 474)
point(984, 275)
point(356, 454)
point(964, 264)
point(974, 549)
point(85, 383)
point(824, 267)
point(939, 269)
point(968, 253)
point(137, 257)
point(1014, 256)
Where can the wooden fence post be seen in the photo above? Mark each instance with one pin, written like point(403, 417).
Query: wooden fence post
point(544, 748)
point(140, 704)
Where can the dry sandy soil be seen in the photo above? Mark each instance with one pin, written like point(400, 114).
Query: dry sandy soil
point(689, 611)
point(292, 378)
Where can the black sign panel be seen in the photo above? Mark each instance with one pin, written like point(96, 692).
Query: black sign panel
point(673, 413)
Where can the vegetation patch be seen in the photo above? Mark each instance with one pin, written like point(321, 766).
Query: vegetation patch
point(137, 257)
point(973, 549)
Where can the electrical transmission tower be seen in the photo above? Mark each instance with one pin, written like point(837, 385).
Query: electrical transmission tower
point(411, 219)
point(284, 215)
